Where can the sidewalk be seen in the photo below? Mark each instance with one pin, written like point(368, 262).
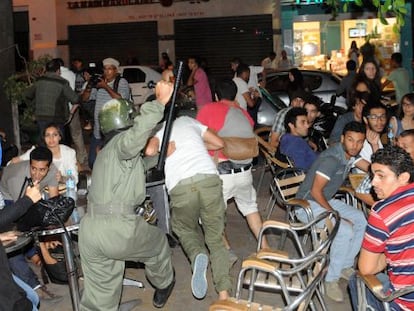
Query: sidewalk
point(243, 243)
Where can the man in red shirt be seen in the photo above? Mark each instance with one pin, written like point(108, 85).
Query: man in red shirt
point(389, 240)
point(228, 119)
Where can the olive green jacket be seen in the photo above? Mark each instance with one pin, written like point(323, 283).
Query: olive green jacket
point(118, 177)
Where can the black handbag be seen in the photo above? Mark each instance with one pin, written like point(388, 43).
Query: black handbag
point(51, 212)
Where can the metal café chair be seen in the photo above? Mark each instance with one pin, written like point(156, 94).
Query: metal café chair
point(284, 186)
point(300, 301)
point(371, 283)
point(322, 230)
point(272, 163)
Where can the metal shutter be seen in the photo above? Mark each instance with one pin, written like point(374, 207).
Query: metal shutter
point(96, 42)
point(218, 40)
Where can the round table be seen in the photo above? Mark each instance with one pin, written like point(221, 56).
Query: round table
point(21, 242)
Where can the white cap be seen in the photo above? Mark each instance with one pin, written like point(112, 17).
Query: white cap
point(111, 61)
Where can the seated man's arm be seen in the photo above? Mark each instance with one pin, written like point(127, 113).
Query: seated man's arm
point(318, 185)
point(53, 191)
point(274, 140)
point(371, 263)
point(363, 165)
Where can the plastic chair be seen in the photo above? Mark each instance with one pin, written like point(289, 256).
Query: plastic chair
point(318, 264)
point(372, 283)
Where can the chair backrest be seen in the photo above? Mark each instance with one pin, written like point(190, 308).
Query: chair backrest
point(267, 151)
point(298, 300)
point(322, 228)
point(287, 182)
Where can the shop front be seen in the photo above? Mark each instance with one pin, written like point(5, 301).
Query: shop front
point(315, 41)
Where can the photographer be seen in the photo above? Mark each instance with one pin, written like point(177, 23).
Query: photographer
point(103, 89)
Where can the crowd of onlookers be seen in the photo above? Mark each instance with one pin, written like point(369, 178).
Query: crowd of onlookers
point(371, 138)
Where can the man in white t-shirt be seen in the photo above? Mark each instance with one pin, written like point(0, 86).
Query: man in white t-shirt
point(270, 62)
point(248, 99)
point(195, 191)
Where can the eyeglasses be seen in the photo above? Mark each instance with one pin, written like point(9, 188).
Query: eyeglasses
point(377, 117)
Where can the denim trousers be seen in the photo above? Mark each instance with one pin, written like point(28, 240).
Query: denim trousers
point(94, 143)
point(21, 269)
point(371, 300)
point(30, 292)
point(347, 242)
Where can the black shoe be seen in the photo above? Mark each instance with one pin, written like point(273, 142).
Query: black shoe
point(172, 241)
point(161, 295)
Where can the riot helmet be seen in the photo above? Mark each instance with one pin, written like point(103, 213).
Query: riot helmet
point(115, 115)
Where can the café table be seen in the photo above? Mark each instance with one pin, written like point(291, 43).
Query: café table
point(69, 259)
point(22, 241)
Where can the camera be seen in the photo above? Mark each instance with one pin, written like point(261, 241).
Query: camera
point(94, 80)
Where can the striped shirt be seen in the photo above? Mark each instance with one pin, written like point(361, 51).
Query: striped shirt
point(390, 231)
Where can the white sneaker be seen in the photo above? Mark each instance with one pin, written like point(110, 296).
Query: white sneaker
point(333, 291)
point(199, 284)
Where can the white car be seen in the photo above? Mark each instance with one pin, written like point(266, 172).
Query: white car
point(138, 78)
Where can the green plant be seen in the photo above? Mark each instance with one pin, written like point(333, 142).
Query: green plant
point(396, 8)
point(16, 84)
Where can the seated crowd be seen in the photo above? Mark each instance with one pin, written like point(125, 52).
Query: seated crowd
point(369, 139)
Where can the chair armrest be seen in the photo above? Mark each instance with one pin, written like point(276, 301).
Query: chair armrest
point(272, 254)
point(375, 286)
point(298, 202)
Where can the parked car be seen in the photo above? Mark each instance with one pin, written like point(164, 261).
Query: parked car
point(141, 79)
point(322, 84)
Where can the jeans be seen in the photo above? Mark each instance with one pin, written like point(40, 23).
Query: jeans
point(21, 268)
point(347, 242)
point(95, 142)
point(30, 292)
point(371, 300)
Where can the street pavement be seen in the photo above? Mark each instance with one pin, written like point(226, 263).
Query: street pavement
point(243, 243)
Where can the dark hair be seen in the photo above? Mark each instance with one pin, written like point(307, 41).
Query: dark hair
point(297, 75)
point(53, 65)
point(272, 54)
point(312, 99)
point(354, 94)
point(361, 69)
point(41, 154)
point(236, 60)
point(407, 133)
point(396, 158)
point(197, 59)
point(292, 115)
point(351, 65)
point(354, 126)
point(226, 89)
point(373, 105)
point(60, 61)
point(410, 98)
point(242, 68)
point(397, 57)
point(52, 125)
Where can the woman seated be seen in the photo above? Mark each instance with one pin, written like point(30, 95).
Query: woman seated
point(64, 157)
